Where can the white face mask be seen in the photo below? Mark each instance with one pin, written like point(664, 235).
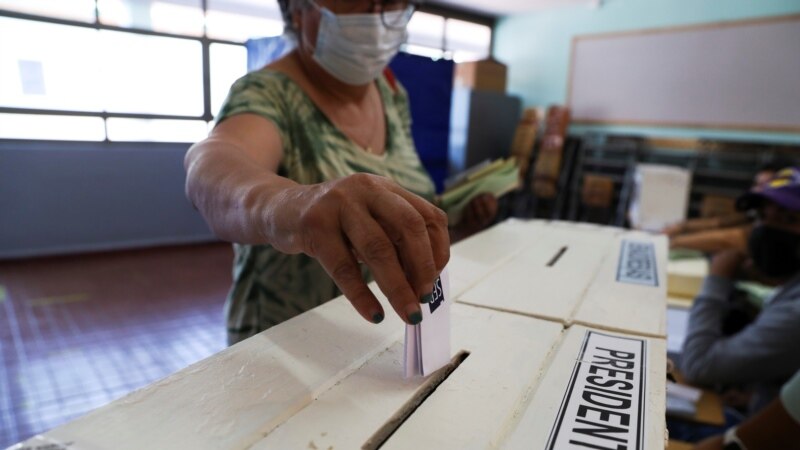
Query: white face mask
point(355, 48)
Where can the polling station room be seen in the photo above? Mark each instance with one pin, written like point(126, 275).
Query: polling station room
point(400, 224)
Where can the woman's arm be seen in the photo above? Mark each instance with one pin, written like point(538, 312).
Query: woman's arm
point(771, 429)
point(232, 180)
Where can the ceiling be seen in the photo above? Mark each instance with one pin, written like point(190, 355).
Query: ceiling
point(499, 8)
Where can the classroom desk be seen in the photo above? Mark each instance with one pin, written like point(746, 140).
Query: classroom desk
point(523, 374)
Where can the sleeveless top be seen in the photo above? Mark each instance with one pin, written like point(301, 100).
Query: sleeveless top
point(270, 287)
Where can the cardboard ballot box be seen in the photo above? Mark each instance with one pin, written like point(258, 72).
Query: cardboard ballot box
point(328, 379)
point(591, 275)
point(602, 390)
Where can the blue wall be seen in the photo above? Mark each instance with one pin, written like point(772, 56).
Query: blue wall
point(537, 48)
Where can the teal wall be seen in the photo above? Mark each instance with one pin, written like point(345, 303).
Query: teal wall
point(536, 48)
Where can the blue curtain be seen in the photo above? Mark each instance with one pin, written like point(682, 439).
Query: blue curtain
point(430, 88)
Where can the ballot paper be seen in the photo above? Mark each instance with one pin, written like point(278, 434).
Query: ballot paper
point(427, 345)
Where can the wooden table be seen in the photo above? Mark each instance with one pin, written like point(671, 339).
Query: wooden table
point(709, 406)
point(535, 331)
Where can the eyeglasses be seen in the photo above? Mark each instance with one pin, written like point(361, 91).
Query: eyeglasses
point(395, 14)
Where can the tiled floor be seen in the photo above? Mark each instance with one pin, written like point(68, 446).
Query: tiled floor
point(77, 332)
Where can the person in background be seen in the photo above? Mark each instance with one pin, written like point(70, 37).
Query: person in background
point(777, 427)
point(764, 353)
point(713, 234)
point(311, 169)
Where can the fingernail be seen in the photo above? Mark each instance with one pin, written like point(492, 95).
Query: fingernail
point(377, 317)
point(426, 298)
point(415, 317)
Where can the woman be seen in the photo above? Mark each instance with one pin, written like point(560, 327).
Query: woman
point(311, 169)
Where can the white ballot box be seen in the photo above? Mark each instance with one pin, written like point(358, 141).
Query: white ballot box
point(597, 276)
point(602, 390)
point(545, 353)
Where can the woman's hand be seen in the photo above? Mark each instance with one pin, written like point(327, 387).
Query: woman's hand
point(401, 237)
point(479, 213)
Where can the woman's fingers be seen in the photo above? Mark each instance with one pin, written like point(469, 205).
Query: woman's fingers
point(483, 207)
point(408, 231)
point(436, 224)
point(375, 248)
point(337, 259)
point(402, 238)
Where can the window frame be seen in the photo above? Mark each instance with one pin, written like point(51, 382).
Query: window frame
point(205, 42)
point(457, 14)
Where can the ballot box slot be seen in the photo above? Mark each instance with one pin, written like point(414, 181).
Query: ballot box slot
point(557, 256)
point(386, 431)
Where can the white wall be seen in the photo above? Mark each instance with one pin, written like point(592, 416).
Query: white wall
point(536, 48)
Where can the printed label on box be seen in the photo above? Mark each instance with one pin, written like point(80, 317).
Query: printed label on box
point(603, 406)
point(637, 263)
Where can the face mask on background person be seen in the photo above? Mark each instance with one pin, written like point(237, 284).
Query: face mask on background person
point(355, 48)
point(775, 252)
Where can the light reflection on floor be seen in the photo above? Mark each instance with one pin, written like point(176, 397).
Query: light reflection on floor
point(79, 332)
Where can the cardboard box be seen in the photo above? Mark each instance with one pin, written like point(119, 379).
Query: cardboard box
point(601, 277)
point(328, 379)
point(485, 75)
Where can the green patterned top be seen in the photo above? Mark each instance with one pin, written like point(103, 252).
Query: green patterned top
point(270, 287)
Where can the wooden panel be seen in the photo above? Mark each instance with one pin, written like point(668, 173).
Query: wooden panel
point(560, 387)
point(548, 279)
point(612, 303)
point(679, 445)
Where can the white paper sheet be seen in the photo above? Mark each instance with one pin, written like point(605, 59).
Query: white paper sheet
point(677, 325)
point(427, 345)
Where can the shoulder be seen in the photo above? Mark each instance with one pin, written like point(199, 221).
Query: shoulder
point(263, 82)
point(265, 92)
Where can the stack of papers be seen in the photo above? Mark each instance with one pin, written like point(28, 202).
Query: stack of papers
point(497, 178)
point(677, 327)
point(427, 345)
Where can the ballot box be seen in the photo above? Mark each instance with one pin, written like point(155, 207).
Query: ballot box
point(597, 276)
point(602, 390)
point(518, 377)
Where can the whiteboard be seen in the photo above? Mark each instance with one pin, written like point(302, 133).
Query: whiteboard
point(741, 75)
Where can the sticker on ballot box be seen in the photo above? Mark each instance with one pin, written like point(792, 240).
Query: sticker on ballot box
point(603, 405)
point(637, 263)
point(427, 344)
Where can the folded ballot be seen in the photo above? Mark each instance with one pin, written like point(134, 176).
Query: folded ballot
point(427, 344)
